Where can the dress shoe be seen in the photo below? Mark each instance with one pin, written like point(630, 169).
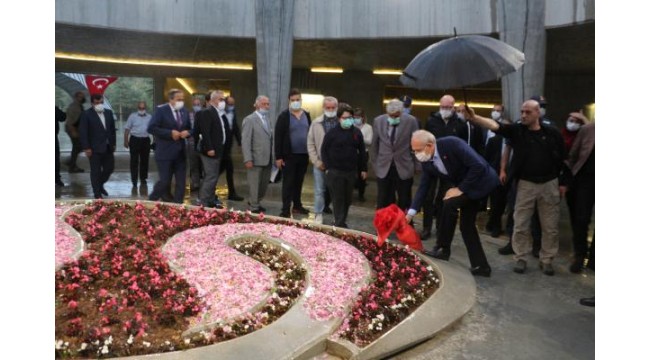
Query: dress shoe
point(300, 210)
point(98, 197)
point(520, 267)
point(425, 234)
point(576, 266)
point(327, 210)
point(60, 183)
point(218, 204)
point(103, 191)
point(235, 197)
point(284, 215)
point(260, 209)
point(440, 253)
point(506, 250)
point(547, 268)
point(588, 301)
point(481, 271)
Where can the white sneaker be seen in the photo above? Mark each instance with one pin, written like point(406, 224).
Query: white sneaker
point(318, 219)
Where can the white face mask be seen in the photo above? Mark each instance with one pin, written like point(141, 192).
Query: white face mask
point(422, 156)
point(179, 105)
point(330, 114)
point(142, 112)
point(295, 105)
point(99, 108)
point(542, 111)
point(460, 115)
point(572, 126)
point(221, 106)
point(496, 115)
point(446, 114)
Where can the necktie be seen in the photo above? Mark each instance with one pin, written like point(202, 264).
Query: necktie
point(224, 123)
point(266, 124)
point(178, 119)
point(392, 134)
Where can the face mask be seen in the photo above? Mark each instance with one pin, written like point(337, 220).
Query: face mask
point(446, 114)
point(230, 108)
point(221, 105)
point(393, 121)
point(572, 126)
point(99, 107)
point(179, 105)
point(542, 111)
point(263, 111)
point(330, 114)
point(422, 156)
point(407, 110)
point(295, 105)
point(358, 121)
point(496, 115)
point(347, 123)
point(196, 108)
point(460, 115)
point(142, 112)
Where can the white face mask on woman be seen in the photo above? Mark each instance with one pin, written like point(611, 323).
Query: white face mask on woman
point(572, 125)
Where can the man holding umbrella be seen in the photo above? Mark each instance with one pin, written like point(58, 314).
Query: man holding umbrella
point(539, 169)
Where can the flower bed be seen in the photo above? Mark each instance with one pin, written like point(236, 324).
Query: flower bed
point(67, 244)
point(122, 298)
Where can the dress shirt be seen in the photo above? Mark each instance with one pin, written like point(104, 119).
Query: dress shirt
point(221, 120)
point(264, 122)
point(102, 118)
point(230, 116)
point(137, 124)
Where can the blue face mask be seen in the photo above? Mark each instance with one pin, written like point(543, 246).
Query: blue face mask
point(358, 121)
point(347, 123)
point(230, 108)
point(393, 121)
point(407, 110)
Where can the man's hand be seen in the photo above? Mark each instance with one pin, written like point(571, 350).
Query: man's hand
point(321, 167)
point(126, 144)
point(452, 193)
point(176, 135)
point(467, 111)
point(502, 177)
point(88, 152)
point(563, 190)
point(409, 218)
point(279, 163)
point(185, 134)
point(364, 175)
point(211, 153)
point(248, 164)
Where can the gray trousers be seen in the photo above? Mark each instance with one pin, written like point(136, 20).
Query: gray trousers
point(258, 181)
point(209, 184)
point(546, 198)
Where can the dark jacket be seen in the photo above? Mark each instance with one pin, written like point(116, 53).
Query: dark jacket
point(92, 133)
point(465, 170)
point(59, 117)
point(520, 137)
point(161, 125)
point(208, 126)
point(230, 133)
point(493, 152)
point(344, 150)
point(282, 141)
point(455, 127)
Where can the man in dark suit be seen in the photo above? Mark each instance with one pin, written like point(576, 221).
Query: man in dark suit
point(232, 131)
point(498, 198)
point(170, 125)
point(59, 117)
point(210, 130)
point(97, 138)
point(471, 179)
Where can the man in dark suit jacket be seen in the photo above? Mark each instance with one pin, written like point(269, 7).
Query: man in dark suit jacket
point(97, 138)
point(499, 196)
point(211, 132)
point(170, 125)
point(471, 179)
point(232, 131)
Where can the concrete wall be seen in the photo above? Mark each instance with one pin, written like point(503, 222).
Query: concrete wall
point(314, 19)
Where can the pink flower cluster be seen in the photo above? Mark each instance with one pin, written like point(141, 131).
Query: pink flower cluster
point(66, 241)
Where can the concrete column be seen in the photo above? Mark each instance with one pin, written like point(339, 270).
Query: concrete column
point(521, 25)
point(159, 95)
point(274, 30)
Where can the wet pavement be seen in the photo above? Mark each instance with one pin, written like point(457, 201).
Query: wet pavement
point(529, 316)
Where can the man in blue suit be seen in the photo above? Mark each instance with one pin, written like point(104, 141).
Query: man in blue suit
point(97, 138)
point(471, 178)
point(170, 125)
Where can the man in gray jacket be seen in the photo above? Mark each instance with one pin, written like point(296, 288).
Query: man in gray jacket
point(391, 155)
point(257, 144)
point(317, 130)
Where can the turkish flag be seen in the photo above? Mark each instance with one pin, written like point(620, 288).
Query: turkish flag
point(98, 84)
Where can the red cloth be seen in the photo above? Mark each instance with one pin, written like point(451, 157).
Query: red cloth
point(392, 218)
point(98, 84)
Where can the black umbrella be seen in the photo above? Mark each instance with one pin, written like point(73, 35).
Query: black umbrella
point(461, 61)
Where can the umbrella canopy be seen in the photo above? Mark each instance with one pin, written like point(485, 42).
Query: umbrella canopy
point(461, 61)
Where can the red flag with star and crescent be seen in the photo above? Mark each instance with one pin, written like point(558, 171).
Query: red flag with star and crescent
point(98, 84)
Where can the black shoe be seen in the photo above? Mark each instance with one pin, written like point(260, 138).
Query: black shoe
point(425, 234)
point(235, 197)
point(440, 253)
point(506, 250)
point(536, 253)
point(135, 184)
point(284, 215)
point(103, 191)
point(327, 210)
point(547, 269)
point(98, 197)
point(588, 301)
point(300, 210)
point(576, 266)
point(261, 209)
point(218, 204)
point(481, 271)
point(60, 183)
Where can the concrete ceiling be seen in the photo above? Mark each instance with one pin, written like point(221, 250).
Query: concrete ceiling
point(569, 49)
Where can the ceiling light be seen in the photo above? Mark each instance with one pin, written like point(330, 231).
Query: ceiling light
point(84, 57)
point(185, 85)
point(327, 70)
point(387, 72)
point(437, 103)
